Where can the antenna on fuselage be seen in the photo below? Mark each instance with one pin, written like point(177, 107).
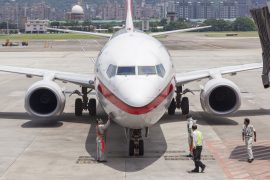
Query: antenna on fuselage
point(129, 20)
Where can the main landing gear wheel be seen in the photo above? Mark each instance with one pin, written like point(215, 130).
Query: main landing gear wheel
point(136, 145)
point(172, 107)
point(131, 148)
point(78, 107)
point(92, 104)
point(185, 106)
point(141, 148)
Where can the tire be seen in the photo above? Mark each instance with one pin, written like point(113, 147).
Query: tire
point(185, 106)
point(131, 148)
point(92, 107)
point(172, 107)
point(141, 148)
point(78, 107)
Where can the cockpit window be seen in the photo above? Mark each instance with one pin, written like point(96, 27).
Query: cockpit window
point(111, 71)
point(160, 70)
point(147, 70)
point(126, 70)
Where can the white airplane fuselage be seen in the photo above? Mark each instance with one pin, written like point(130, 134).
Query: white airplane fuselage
point(136, 100)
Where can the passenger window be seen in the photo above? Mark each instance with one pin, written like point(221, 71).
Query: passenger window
point(126, 70)
point(160, 70)
point(111, 71)
point(147, 70)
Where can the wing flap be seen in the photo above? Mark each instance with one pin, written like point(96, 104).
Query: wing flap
point(186, 77)
point(80, 32)
point(79, 79)
point(179, 30)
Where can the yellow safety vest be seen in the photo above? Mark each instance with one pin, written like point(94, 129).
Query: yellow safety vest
point(199, 138)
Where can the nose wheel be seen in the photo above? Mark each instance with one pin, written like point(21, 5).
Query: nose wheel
point(179, 101)
point(83, 103)
point(136, 145)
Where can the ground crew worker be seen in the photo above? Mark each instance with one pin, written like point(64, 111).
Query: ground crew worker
point(197, 149)
point(101, 130)
point(247, 136)
point(190, 122)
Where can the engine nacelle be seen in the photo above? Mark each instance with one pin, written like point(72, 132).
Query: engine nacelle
point(45, 100)
point(220, 97)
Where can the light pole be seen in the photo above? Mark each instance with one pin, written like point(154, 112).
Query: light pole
point(7, 27)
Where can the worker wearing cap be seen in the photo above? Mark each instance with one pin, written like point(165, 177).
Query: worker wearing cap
point(190, 122)
point(247, 135)
point(101, 130)
point(197, 149)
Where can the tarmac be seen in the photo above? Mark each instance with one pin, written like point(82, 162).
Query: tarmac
point(66, 149)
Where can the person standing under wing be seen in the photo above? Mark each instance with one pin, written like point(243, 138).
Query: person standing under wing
point(190, 123)
point(197, 150)
point(101, 131)
point(247, 135)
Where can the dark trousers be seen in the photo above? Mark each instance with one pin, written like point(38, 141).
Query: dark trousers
point(197, 158)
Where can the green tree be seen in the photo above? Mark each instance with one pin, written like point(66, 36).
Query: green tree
point(179, 24)
point(87, 23)
point(55, 24)
point(163, 22)
point(244, 24)
point(218, 24)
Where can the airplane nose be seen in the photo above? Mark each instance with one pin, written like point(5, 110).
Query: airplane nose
point(139, 93)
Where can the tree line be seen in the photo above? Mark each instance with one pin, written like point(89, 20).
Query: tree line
point(239, 24)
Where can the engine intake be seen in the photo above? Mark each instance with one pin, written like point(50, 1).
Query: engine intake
point(45, 99)
point(220, 97)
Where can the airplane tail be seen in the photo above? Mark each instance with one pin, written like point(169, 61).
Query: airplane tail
point(129, 20)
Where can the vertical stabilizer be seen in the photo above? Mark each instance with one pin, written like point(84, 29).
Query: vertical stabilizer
point(129, 21)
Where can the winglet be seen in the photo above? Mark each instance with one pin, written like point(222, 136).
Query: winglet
point(129, 21)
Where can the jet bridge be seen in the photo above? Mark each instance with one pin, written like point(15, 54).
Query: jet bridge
point(261, 17)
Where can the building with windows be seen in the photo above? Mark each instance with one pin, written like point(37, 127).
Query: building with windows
point(228, 10)
point(76, 13)
point(184, 9)
point(36, 26)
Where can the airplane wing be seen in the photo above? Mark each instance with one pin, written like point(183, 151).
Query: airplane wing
point(186, 77)
point(179, 30)
point(79, 79)
point(80, 32)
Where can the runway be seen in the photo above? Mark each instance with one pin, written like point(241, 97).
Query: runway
point(66, 149)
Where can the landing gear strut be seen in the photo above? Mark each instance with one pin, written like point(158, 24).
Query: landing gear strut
point(83, 103)
point(179, 101)
point(136, 145)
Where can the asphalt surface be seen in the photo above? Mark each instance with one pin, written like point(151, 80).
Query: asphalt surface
point(66, 149)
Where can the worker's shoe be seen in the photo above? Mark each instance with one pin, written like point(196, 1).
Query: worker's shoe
point(250, 160)
point(194, 171)
point(189, 155)
point(203, 168)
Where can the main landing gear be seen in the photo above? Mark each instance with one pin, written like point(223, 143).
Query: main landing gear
point(83, 103)
point(180, 102)
point(136, 145)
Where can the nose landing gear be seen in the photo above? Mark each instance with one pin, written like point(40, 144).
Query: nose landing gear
point(136, 145)
point(179, 101)
point(83, 103)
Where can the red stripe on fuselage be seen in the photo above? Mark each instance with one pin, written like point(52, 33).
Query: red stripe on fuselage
point(135, 110)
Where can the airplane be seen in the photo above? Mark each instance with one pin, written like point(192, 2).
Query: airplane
point(135, 80)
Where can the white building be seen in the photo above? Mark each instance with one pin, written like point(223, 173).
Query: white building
point(36, 26)
point(77, 13)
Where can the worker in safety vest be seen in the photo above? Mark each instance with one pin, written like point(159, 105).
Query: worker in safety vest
point(101, 130)
point(197, 149)
point(247, 135)
point(190, 122)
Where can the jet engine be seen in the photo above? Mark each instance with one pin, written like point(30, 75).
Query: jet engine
point(220, 97)
point(45, 100)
